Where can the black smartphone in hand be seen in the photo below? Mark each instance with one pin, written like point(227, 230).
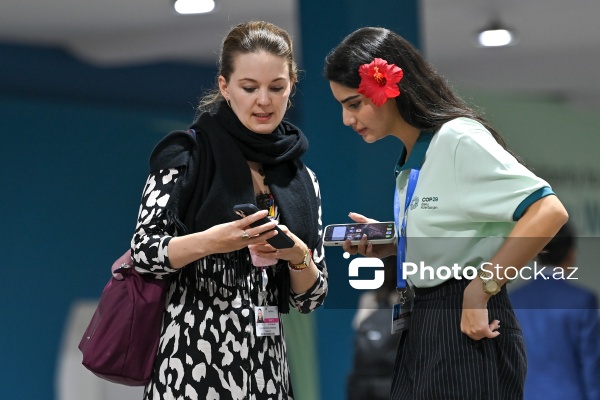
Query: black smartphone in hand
point(279, 241)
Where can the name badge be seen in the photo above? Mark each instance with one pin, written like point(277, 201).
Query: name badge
point(266, 320)
point(401, 313)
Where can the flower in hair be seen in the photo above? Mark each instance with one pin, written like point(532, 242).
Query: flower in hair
point(379, 81)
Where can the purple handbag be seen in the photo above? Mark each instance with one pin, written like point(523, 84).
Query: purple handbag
point(121, 341)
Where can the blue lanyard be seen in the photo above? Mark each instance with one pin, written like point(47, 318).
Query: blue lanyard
point(410, 190)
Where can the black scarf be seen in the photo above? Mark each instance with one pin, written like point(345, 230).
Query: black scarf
point(217, 177)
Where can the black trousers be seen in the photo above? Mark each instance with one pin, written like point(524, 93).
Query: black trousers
point(436, 361)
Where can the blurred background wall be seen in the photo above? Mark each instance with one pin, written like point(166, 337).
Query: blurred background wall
point(75, 143)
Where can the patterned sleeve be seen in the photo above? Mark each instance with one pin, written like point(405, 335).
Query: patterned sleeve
point(151, 238)
point(315, 296)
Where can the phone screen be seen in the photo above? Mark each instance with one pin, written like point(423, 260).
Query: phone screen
point(354, 232)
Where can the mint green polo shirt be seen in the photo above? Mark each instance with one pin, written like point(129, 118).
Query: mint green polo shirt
point(468, 197)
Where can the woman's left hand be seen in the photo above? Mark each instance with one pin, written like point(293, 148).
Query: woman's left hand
point(365, 247)
point(475, 318)
point(294, 254)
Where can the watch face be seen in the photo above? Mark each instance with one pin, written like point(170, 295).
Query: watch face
point(307, 258)
point(491, 286)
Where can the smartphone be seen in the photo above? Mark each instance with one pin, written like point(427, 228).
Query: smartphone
point(279, 241)
point(377, 233)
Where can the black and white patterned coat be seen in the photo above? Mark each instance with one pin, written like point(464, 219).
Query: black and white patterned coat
point(208, 347)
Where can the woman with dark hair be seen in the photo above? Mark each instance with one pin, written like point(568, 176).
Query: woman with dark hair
point(462, 200)
point(237, 151)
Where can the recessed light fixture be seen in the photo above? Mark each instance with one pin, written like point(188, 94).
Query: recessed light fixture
point(496, 35)
point(194, 6)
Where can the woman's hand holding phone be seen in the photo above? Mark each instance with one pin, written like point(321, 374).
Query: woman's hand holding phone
point(279, 241)
point(221, 238)
point(284, 245)
point(292, 254)
point(238, 234)
point(366, 248)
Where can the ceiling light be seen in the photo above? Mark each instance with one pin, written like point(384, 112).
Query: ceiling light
point(496, 35)
point(194, 6)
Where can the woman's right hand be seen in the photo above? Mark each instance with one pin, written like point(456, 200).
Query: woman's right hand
point(365, 247)
point(222, 238)
point(236, 235)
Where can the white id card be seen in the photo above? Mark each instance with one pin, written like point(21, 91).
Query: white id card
point(267, 320)
point(401, 316)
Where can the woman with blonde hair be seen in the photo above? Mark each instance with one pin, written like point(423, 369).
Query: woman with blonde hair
point(222, 268)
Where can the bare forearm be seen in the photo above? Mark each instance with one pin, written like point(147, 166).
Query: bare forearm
point(187, 249)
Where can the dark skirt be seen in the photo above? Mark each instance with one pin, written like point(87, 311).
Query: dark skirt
point(436, 361)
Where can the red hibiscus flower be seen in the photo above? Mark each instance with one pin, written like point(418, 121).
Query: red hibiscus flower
point(379, 81)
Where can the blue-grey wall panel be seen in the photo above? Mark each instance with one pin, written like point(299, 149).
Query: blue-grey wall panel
point(353, 176)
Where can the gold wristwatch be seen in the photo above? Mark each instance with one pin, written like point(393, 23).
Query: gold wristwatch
point(304, 264)
point(490, 285)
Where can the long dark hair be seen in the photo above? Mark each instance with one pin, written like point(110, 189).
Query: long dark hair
point(426, 100)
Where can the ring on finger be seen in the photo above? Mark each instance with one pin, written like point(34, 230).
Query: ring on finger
point(245, 235)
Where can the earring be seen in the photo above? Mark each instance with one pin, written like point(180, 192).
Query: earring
point(227, 101)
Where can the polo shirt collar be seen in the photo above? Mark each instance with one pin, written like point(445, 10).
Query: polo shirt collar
point(417, 155)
